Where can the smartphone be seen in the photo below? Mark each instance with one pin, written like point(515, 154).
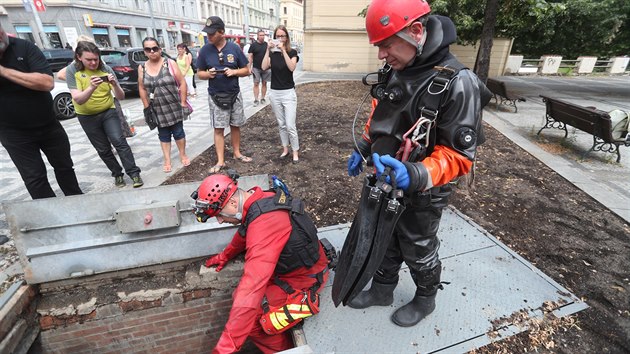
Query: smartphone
point(220, 70)
point(104, 78)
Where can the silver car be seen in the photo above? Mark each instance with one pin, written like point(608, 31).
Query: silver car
point(62, 101)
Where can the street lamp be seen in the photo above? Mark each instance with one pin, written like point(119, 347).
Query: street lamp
point(152, 19)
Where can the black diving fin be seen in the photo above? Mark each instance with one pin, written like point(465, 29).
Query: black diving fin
point(358, 241)
point(390, 212)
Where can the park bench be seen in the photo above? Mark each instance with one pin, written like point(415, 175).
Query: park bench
point(559, 114)
point(499, 90)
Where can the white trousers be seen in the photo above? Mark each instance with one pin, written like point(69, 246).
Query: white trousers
point(189, 85)
point(284, 106)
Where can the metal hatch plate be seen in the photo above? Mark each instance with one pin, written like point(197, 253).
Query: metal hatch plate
point(490, 286)
point(64, 237)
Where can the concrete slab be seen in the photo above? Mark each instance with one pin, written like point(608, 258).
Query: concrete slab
point(489, 285)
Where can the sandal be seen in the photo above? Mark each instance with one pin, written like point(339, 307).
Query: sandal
point(186, 161)
point(166, 168)
point(216, 169)
point(243, 158)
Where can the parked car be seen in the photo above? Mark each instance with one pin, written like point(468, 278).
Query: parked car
point(62, 101)
point(58, 58)
point(125, 62)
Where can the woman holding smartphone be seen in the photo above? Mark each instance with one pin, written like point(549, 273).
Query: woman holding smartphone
point(282, 59)
point(91, 87)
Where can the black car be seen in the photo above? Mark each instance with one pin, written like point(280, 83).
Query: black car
point(125, 62)
point(194, 51)
point(58, 58)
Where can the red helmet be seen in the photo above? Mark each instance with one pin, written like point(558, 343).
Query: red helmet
point(214, 193)
point(385, 18)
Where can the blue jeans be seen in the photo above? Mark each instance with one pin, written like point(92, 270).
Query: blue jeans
point(25, 148)
point(177, 130)
point(103, 130)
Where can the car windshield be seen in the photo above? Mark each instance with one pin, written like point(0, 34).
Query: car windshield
point(139, 56)
point(114, 58)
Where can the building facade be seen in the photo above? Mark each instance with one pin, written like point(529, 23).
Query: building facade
point(124, 23)
point(292, 17)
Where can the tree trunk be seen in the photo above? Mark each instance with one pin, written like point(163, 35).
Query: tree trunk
point(482, 64)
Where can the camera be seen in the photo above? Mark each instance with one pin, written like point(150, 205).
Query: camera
point(104, 78)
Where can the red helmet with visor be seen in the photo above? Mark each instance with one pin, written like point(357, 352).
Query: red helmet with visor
point(385, 18)
point(214, 193)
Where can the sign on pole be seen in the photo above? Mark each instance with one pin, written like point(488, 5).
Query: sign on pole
point(87, 20)
point(39, 5)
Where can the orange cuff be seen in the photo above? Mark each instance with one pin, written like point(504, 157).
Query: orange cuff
point(444, 165)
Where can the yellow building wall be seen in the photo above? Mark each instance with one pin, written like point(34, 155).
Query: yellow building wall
point(335, 40)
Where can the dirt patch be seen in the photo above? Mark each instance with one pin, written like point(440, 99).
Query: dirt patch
point(547, 220)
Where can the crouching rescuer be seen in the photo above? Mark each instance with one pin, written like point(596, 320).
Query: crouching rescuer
point(285, 263)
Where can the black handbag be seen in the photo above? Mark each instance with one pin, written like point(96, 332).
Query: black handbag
point(150, 117)
point(224, 100)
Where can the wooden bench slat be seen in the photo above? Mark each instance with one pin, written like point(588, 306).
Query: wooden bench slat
point(596, 122)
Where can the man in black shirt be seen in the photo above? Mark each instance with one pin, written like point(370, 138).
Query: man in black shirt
point(255, 55)
point(27, 123)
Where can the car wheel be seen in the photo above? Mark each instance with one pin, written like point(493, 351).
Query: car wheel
point(63, 107)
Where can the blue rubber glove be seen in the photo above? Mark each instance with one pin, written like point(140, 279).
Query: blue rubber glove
point(355, 164)
point(402, 176)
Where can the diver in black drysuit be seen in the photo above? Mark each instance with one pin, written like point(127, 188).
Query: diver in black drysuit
point(450, 153)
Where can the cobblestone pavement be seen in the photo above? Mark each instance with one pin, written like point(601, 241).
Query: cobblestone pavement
point(607, 182)
point(94, 177)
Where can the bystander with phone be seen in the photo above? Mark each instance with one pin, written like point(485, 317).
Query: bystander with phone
point(282, 59)
point(222, 63)
point(95, 108)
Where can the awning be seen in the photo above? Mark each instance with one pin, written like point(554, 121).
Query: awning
point(100, 31)
point(122, 32)
point(50, 29)
point(189, 31)
point(23, 29)
point(171, 29)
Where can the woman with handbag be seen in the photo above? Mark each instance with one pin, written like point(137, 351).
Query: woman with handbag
point(91, 87)
point(282, 59)
point(163, 91)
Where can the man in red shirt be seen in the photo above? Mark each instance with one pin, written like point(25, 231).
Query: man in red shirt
point(273, 268)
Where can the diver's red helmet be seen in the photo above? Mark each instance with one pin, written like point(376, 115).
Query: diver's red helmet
point(385, 18)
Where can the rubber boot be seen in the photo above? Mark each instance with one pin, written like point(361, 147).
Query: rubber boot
point(378, 295)
point(413, 312)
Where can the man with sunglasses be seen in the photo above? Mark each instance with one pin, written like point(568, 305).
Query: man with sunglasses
point(222, 63)
point(284, 260)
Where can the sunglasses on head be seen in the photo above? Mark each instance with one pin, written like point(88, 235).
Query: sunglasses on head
point(152, 49)
point(220, 57)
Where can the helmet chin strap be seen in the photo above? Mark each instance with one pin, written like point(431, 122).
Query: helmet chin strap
point(419, 45)
point(241, 201)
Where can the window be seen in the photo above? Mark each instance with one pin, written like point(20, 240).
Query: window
point(285, 10)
